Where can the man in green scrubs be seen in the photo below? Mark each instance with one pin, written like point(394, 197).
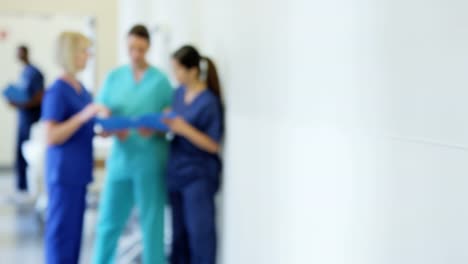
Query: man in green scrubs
point(137, 164)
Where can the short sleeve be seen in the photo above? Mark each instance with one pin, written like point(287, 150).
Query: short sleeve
point(36, 85)
point(166, 93)
point(103, 94)
point(176, 98)
point(53, 106)
point(213, 121)
point(31, 81)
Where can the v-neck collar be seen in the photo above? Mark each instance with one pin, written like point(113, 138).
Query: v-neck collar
point(195, 99)
point(143, 76)
point(79, 93)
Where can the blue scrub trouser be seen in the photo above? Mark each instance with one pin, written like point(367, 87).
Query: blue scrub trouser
point(193, 223)
point(64, 223)
point(20, 166)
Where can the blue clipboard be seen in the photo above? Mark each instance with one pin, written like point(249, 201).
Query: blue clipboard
point(15, 95)
point(154, 121)
point(150, 121)
point(114, 124)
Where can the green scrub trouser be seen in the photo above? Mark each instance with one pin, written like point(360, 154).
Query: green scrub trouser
point(148, 193)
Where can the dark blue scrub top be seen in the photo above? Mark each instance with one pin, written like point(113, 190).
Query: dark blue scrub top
point(32, 81)
point(70, 163)
point(187, 162)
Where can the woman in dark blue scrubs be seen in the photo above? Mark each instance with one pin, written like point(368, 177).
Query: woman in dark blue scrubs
point(68, 112)
point(194, 165)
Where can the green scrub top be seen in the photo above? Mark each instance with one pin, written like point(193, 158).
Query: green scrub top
point(128, 98)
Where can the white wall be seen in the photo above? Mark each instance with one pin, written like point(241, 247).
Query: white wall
point(303, 126)
point(425, 48)
point(345, 135)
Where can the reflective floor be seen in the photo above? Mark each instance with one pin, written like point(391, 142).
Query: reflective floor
point(21, 230)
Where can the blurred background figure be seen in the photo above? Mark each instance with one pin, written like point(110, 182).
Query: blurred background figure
point(32, 81)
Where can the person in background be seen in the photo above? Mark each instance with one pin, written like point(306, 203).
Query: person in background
point(137, 163)
point(194, 165)
point(68, 112)
point(31, 81)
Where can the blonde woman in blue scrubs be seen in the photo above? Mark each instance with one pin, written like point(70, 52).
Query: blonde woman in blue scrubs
point(68, 114)
point(137, 163)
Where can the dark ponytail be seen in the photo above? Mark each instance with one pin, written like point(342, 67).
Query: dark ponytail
point(212, 78)
point(189, 57)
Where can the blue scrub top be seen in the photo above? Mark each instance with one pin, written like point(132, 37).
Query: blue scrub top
point(187, 162)
point(32, 81)
point(70, 163)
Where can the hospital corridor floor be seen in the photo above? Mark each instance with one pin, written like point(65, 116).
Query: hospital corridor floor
point(21, 230)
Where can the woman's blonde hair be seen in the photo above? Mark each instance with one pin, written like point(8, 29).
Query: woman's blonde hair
point(69, 44)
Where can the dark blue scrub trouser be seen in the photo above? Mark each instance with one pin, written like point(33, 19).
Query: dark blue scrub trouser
point(20, 166)
point(25, 122)
point(64, 223)
point(193, 223)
